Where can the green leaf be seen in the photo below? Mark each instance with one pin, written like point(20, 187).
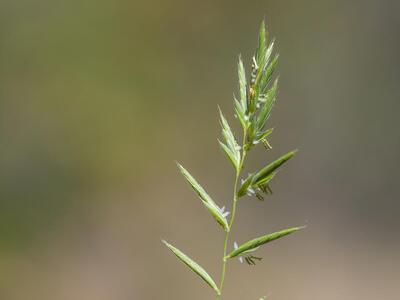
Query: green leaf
point(257, 242)
point(266, 78)
point(231, 156)
point(249, 183)
point(261, 49)
point(231, 144)
point(268, 53)
point(266, 179)
point(268, 170)
point(218, 215)
point(245, 185)
point(267, 106)
point(193, 266)
point(195, 185)
point(242, 84)
point(240, 113)
point(206, 199)
point(261, 79)
point(263, 53)
point(264, 134)
point(228, 134)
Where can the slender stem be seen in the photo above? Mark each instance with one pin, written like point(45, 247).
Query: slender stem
point(234, 204)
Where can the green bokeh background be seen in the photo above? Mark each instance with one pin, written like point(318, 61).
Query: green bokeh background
point(97, 100)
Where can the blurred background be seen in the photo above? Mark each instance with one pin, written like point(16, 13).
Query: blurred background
point(97, 100)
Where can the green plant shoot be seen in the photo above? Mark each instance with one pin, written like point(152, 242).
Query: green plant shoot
point(257, 96)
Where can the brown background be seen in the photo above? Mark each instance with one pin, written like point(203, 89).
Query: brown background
point(97, 100)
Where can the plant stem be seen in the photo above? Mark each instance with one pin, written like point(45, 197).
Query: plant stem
point(235, 199)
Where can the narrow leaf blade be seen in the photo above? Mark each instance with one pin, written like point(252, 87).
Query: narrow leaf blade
point(206, 199)
point(230, 140)
point(231, 156)
point(265, 134)
point(261, 49)
point(217, 214)
point(245, 185)
point(266, 109)
point(266, 179)
point(267, 76)
point(268, 53)
point(193, 266)
point(240, 113)
point(195, 185)
point(268, 170)
point(242, 84)
point(257, 242)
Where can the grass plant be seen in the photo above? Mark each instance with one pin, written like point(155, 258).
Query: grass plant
point(252, 109)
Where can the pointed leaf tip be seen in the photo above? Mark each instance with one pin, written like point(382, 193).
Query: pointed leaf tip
point(230, 155)
point(231, 147)
point(193, 266)
point(257, 242)
point(269, 169)
point(264, 175)
point(242, 84)
point(206, 199)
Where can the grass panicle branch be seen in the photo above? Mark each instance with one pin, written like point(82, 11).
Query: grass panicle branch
point(257, 97)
